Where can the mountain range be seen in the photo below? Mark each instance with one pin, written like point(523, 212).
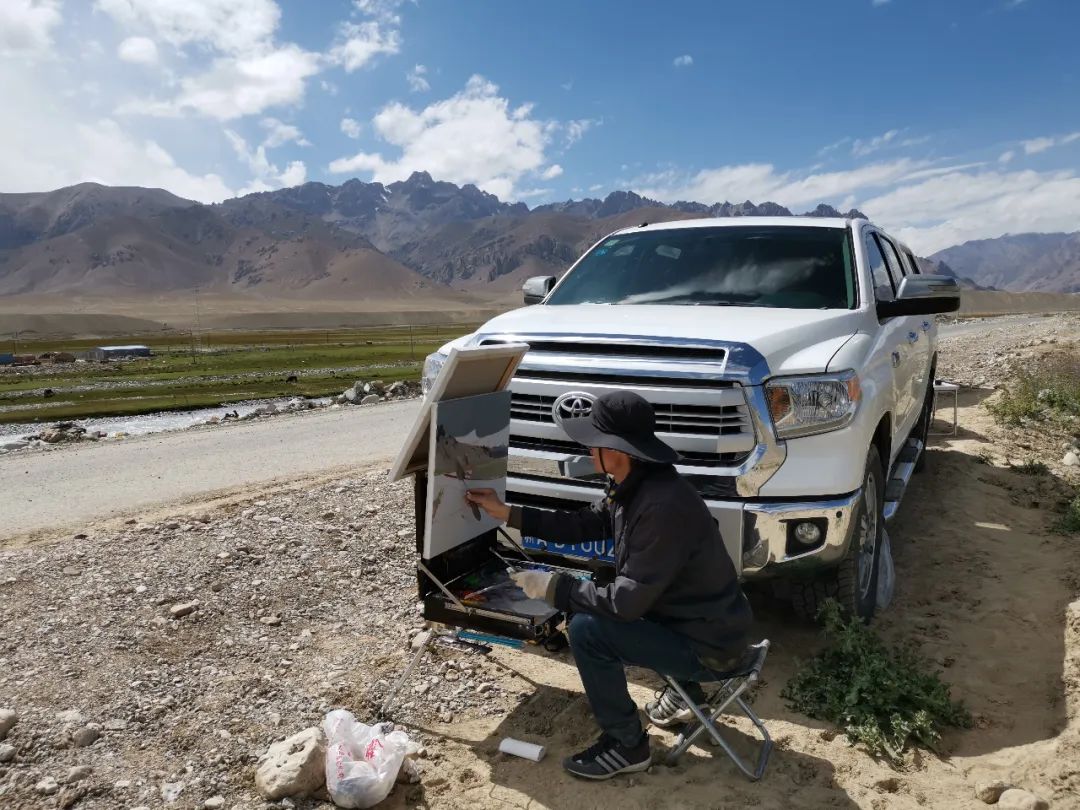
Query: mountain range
point(363, 243)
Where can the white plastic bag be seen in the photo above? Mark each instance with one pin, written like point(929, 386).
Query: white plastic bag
point(886, 576)
point(362, 761)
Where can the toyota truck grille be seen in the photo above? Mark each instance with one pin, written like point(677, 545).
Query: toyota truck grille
point(692, 420)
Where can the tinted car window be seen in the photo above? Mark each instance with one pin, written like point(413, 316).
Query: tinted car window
point(789, 267)
point(883, 286)
point(892, 261)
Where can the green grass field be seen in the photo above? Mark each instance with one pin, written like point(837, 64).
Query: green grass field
point(214, 369)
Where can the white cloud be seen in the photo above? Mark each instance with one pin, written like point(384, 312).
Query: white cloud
point(249, 72)
point(686, 60)
point(596, 187)
point(417, 82)
point(278, 133)
point(351, 127)
point(266, 174)
point(1036, 145)
point(1006, 157)
point(475, 136)
point(359, 43)
point(229, 26)
point(953, 208)
point(26, 27)
point(551, 172)
point(237, 86)
point(832, 147)
point(861, 148)
point(761, 181)
point(138, 50)
point(575, 130)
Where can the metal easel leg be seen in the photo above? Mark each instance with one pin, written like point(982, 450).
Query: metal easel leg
point(390, 698)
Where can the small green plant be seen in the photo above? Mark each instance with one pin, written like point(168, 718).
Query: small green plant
point(1032, 468)
point(1070, 521)
point(883, 698)
point(1050, 386)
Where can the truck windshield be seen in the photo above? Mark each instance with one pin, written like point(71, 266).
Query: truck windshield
point(790, 267)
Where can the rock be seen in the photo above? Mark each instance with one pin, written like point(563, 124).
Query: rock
point(1071, 459)
point(990, 792)
point(71, 717)
point(77, 774)
point(350, 395)
point(170, 791)
point(420, 639)
point(47, 786)
point(1017, 799)
point(71, 571)
point(371, 399)
point(271, 621)
point(214, 802)
point(446, 717)
point(87, 735)
point(184, 609)
point(8, 719)
point(7, 753)
point(293, 767)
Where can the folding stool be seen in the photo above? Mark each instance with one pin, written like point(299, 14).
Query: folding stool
point(732, 686)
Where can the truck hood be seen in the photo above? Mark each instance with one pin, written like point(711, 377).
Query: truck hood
point(792, 341)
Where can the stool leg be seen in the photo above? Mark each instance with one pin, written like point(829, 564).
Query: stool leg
point(706, 723)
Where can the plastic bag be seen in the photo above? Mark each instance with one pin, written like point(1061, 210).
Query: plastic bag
point(362, 761)
point(886, 575)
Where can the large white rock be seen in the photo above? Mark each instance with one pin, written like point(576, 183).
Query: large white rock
point(8, 719)
point(351, 395)
point(1071, 459)
point(293, 767)
point(370, 399)
point(1017, 799)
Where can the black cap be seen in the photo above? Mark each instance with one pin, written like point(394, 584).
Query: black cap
point(624, 421)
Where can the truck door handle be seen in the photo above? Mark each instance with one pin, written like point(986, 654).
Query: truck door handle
point(896, 359)
point(912, 337)
point(926, 326)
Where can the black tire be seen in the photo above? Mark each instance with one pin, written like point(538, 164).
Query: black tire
point(922, 427)
point(853, 583)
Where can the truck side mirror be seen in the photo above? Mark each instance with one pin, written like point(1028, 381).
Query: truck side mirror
point(537, 288)
point(922, 295)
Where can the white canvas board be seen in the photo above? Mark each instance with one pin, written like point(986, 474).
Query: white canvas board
point(469, 442)
point(467, 372)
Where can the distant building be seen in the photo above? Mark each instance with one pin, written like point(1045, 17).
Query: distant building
point(103, 353)
point(7, 359)
point(57, 357)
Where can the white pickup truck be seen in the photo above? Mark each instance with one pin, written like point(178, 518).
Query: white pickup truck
point(789, 360)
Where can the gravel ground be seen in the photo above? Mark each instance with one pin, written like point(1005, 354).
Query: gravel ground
point(150, 663)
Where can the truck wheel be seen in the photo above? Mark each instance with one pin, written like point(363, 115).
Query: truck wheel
point(853, 583)
point(922, 427)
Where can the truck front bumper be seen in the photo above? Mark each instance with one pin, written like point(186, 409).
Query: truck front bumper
point(759, 537)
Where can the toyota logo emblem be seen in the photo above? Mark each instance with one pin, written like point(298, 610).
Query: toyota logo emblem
point(572, 405)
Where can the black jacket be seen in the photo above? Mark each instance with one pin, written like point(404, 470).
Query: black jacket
point(671, 566)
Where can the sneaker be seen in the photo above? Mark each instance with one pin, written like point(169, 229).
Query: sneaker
point(669, 709)
point(607, 757)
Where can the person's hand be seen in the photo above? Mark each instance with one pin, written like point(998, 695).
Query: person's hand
point(489, 501)
point(534, 583)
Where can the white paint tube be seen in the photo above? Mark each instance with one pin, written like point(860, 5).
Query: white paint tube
point(522, 749)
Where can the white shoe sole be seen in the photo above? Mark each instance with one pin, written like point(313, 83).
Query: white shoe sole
point(598, 777)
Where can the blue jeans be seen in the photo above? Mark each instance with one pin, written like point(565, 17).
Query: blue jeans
point(602, 647)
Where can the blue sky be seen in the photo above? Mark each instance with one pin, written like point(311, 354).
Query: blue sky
point(944, 121)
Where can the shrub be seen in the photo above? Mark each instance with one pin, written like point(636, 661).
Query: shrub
point(1032, 468)
point(883, 698)
point(1052, 385)
point(1070, 521)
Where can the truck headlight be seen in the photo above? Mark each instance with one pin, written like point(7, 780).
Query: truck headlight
point(433, 364)
point(802, 406)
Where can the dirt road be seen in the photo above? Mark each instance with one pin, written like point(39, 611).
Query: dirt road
point(71, 486)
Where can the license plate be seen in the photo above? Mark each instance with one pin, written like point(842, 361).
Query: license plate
point(591, 550)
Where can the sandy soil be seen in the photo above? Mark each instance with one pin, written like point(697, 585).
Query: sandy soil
point(984, 589)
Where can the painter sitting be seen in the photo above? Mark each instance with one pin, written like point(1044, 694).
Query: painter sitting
point(675, 605)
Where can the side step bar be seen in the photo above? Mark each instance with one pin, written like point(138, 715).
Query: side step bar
point(901, 474)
